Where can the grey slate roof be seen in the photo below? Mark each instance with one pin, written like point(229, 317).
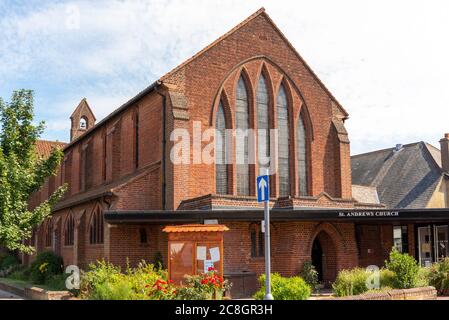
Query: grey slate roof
point(403, 179)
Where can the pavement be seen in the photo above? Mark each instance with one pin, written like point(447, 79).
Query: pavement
point(9, 296)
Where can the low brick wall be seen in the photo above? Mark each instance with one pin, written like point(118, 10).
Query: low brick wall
point(425, 293)
point(34, 293)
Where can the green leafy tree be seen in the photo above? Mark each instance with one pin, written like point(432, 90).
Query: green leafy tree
point(22, 172)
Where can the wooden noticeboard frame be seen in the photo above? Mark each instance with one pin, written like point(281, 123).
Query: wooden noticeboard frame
point(191, 237)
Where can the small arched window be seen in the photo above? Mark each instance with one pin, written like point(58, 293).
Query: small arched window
point(242, 124)
point(143, 235)
point(96, 227)
point(83, 123)
point(263, 126)
point(301, 147)
point(221, 167)
point(69, 231)
point(49, 234)
point(283, 143)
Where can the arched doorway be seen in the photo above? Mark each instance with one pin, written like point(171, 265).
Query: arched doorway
point(317, 258)
point(324, 258)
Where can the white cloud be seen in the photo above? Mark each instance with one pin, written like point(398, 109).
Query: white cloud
point(385, 61)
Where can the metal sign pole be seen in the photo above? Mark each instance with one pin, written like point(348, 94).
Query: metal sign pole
point(268, 295)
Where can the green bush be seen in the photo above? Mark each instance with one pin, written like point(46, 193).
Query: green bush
point(438, 276)
point(8, 261)
point(294, 288)
point(104, 281)
point(423, 277)
point(158, 261)
point(310, 275)
point(45, 266)
point(57, 282)
point(386, 279)
point(350, 282)
point(406, 269)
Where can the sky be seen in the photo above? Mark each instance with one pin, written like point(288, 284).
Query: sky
point(386, 62)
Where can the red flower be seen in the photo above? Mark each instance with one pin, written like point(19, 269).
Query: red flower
point(204, 281)
point(211, 269)
point(171, 281)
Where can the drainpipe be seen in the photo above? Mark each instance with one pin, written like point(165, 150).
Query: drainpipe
point(164, 146)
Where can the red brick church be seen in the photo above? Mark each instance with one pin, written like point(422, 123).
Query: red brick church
point(124, 189)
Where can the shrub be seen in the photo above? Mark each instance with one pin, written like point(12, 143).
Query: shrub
point(104, 281)
point(406, 269)
point(45, 266)
point(208, 286)
point(310, 275)
point(386, 278)
point(294, 288)
point(158, 261)
point(438, 276)
point(350, 282)
point(8, 261)
point(423, 277)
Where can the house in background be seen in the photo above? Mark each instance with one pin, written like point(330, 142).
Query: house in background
point(412, 176)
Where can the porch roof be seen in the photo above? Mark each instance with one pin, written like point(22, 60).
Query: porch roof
point(279, 214)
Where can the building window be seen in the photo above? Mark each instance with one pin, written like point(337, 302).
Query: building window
point(263, 126)
point(400, 238)
point(83, 123)
point(283, 144)
point(69, 231)
point(221, 167)
point(96, 227)
point(242, 123)
point(49, 234)
point(257, 241)
point(301, 147)
point(143, 235)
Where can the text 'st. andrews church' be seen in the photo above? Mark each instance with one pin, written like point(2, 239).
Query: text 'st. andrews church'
point(124, 188)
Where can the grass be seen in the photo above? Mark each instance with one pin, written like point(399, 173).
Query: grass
point(23, 284)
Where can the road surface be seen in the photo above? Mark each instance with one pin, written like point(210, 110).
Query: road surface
point(8, 296)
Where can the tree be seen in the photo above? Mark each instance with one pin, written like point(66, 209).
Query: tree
point(22, 172)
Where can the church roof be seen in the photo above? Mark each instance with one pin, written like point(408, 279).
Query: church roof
point(155, 84)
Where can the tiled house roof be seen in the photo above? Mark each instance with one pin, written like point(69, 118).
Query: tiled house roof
point(405, 178)
point(44, 147)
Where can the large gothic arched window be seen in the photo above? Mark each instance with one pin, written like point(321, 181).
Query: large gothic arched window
point(96, 227)
point(242, 126)
point(283, 144)
point(263, 126)
point(301, 147)
point(69, 230)
point(221, 167)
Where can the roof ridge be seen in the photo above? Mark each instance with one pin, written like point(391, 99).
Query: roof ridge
point(54, 141)
point(212, 44)
point(427, 145)
point(385, 149)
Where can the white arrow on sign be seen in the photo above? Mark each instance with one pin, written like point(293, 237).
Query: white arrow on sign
point(262, 186)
